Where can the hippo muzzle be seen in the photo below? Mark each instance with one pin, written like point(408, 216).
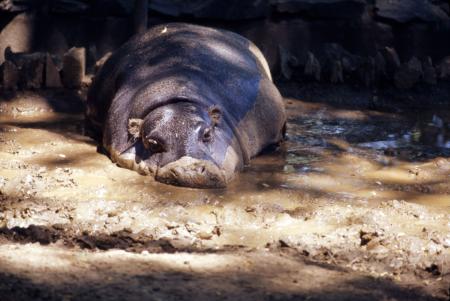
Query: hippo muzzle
point(186, 171)
point(191, 172)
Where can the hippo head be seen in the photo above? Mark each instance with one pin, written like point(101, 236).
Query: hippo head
point(184, 144)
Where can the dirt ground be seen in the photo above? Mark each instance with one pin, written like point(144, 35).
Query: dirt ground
point(355, 205)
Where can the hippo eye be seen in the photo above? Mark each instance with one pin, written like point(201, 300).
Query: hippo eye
point(153, 145)
point(207, 134)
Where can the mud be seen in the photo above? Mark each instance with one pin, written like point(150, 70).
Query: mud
point(354, 205)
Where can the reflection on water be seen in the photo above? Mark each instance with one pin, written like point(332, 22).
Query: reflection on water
point(359, 154)
point(423, 134)
point(434, 133)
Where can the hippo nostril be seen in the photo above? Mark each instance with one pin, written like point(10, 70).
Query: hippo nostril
point(207, 134)
point(202, 169)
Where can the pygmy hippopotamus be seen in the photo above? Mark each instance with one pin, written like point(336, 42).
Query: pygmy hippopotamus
point(187, 104)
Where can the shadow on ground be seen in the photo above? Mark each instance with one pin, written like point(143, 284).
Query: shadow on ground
point(237, 275)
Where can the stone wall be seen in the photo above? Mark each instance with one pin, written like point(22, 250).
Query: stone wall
point(368, 42)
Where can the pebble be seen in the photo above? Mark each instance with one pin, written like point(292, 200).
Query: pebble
point(446, 243)
point(204, 235)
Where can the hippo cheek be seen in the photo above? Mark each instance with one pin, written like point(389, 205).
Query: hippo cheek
point(135, 160)
point(231, 163)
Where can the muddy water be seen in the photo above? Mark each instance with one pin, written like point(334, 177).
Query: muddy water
point(330, 152)
point(330, 155)
point(366, 154)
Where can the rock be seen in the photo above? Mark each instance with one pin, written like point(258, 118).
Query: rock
point(409, 74)
point(337, 72)
point(340, 61)
point(322, 8)
point(312, 67)
point(204, 235)
point(380, 66)
point(8, 54)
point(382, 34)
point(392, 61)
point(6, 5)
point(74, 65)
point(350, 65)
point(429, 72)
point(335, 52)
point(99, 64)
point(212, 9)
point(403, 11)
point(368, 72)
point(391, 57)
point(30, 66)
point(32, 73)
point(444, 69)
point(14, 6)
point(287, 62)
point(52, 77)
point(18, 35)
point(20, 59)
point(10, 75)
point(415, 65)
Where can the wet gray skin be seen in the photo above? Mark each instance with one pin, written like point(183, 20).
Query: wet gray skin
point(189, 105)
point(182, 144)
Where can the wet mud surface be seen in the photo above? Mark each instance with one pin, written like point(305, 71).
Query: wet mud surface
point(355, 205)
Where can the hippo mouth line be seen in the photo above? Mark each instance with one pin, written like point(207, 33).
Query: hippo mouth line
point(191, 172)
point(186, 171)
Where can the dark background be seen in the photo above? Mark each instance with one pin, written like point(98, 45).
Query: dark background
point(289, 28)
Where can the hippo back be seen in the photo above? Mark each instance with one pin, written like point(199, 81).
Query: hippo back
point(188, 62)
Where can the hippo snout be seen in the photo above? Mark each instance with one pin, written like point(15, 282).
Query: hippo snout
point(191, 172)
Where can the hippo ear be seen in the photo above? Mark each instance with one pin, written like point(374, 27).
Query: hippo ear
point(134, 127)
point(215, 114)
